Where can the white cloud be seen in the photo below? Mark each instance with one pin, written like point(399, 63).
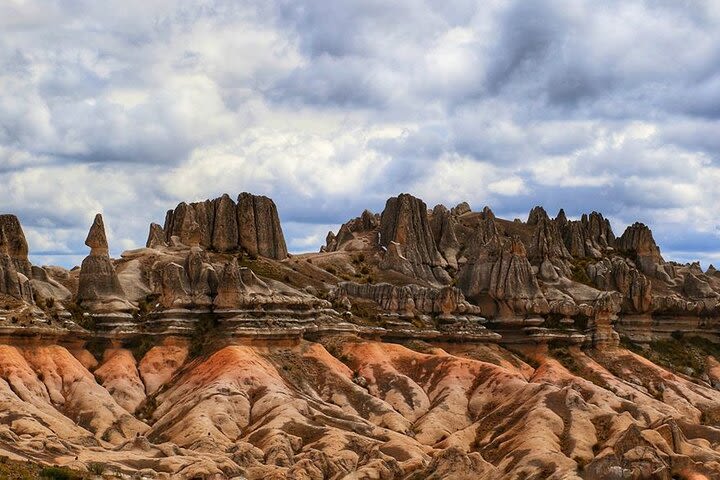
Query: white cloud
point(127, 108)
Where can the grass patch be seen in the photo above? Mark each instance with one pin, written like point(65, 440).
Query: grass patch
point(681, 353)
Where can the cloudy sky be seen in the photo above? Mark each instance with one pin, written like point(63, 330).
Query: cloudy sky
point(129, 107)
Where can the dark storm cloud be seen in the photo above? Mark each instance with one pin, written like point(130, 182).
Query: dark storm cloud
point(330, 107)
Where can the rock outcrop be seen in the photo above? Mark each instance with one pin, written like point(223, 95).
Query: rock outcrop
point(513, 284)
point(99, 288)
point(191, 285)
point(260, 230)
point(546, 243)
point(617, 274)
point(591, 236)
point(239, 287)
point(15, 268)
point(404, 222)
point(408, 300)
point(13, 243)
point(638, 241)
point(360, 233)
point(156, 237)
point(251, 225)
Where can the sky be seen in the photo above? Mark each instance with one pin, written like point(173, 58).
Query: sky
point(127, 107)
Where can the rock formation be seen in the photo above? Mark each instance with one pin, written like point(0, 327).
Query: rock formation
point(99, 288)
point(250, 225)
point(442, 224)
point(404, 222)
point(591, 236)
point(416, 344)
point(513, 284)
point(156, 237)
point(546, 243)
point(260, 232)
point(13, 243)
point(616, 274)
point(358, 234)
point(409, 300)
point(15, 269)
point(638, 241)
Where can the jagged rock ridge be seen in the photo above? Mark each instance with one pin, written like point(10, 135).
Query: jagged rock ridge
point(443, 343)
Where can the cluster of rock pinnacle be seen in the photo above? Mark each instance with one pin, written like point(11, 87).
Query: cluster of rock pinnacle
point(418, 343)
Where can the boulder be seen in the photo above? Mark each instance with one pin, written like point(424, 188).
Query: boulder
point(461, 209)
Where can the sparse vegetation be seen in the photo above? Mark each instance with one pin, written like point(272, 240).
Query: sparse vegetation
point(97, 468)
point(681, 353)
point(147, 408)
point(78, 314)
point(203, 338)
point(146, 305)
point(16, 470)
point(59, 473)
point(579, 270)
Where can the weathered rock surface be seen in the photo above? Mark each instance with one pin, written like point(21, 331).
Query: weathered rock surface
point(513, 284)
point(443, 225)
point(637, 240)
point(260, 230)
point(405, 223)
point(13, 243)
point(99, 288)
point(156, 237)
point(408, 300)
point(616, 274)
point(15, 269)
point(546, 243)
point(360, 233)
point(251, 225)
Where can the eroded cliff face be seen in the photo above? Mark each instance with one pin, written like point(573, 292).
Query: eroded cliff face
point(345, 407)
point(417, 343)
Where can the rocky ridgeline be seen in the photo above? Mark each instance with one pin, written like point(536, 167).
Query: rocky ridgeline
point(417, 344)
point(433, 269)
